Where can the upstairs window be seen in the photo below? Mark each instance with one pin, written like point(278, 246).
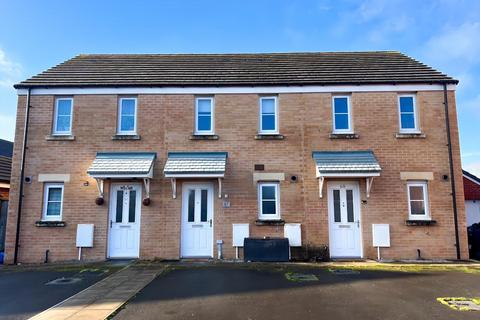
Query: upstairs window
point(204, 116)
point(268, 201)
point(127, 116)
point(53, 202)
point(268, 115)
point(418, 201)
point(408, 114)
point(341, 114)
point(62, 121)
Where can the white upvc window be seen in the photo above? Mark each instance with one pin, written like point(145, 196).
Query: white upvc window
point(204, 115)
point(127, 116)
point(342, 114)
point(268, 201)
point(268, 115)
point(407, 113)
point(418, 208)
point(62, 118)
point(52, 202)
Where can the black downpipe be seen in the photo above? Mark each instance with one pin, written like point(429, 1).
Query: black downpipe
point(22, 177)
point(452, 179)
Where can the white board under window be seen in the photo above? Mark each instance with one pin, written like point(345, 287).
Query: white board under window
point(239, 233)
point(381, 235)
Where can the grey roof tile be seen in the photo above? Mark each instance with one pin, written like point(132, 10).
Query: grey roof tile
point(308, 68)
point(120, 163)
point(346, 162)
point(196, 163)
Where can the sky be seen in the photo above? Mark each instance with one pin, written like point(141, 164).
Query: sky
point(36, 35)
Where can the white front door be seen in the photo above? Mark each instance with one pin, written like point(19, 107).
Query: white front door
point(197, 220)
point(124, 222)
point(344, 220)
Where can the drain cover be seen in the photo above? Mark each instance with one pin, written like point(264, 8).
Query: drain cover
point(461, 304)
point(343, 271)
point(300, 277)
point(64, 280)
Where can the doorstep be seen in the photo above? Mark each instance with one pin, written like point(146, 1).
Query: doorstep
point(102, 299)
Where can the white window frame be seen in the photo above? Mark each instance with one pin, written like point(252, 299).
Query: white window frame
point(119, 117)
point(55, 117)
point(349, 113)
point(212, 117)
point(260, 130)
point(415, 114)
point(424, 185)
point(262, 216)
point(46, 191)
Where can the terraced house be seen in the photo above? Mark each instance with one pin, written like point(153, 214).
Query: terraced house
point(168, 155)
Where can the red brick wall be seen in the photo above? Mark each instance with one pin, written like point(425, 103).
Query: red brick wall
point(472, 189)
point(165, 123)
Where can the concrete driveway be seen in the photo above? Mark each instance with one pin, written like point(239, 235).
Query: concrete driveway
point(24, 293)
point(248, 292)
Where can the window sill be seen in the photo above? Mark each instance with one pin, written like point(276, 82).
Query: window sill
point(420, 222)
point(54, 137)
point(126, 137)
point(405, 135)
point(334, 135)
point(262, 136)
point(54, 224)
point(204, 137)
point(277, 222)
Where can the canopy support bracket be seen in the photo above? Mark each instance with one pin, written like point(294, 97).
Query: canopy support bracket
point(100, 187)
point(174, 188)
point(146, 184)
point(369, 182)
point(220, 188)
point(321, 181)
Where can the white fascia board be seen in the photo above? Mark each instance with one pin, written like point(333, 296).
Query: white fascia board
point(474, 181)
point(349, 175)
point(188, 175)
point(119, 176)
point(237, 90)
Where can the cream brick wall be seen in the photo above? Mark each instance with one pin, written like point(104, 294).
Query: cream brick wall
point(165, 123)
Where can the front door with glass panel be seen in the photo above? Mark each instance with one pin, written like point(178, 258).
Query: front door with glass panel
point(344, 220)
point(124, 222)
point(197, 220)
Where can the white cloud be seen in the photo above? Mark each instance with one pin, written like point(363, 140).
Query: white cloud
point(10, 71)
point(473, 168)
point(371, 9)
point(7, 127)
point(460, 44)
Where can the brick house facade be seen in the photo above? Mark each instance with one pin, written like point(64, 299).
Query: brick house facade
point(166, 117)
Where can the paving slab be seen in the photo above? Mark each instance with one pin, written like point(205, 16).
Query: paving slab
point(103, 298)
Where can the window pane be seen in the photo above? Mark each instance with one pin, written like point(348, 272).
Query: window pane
point(408, 121)
point(406, 104)
point(132, 205)
point(64, 107)
point(416, 193)
point(268, 106)
point(341, 105)
point(341, 121)
point(336, 206)
point(203, 207)
point(204, 106)
point(53, 208)
point(128, 106)
point(204, 123)
point(191, 206)
point(268, 192)
point(128, 123)
point(119, 213)
point(269, 207)
point(268, 122)
point(55, 194)
point(350, 205)
point(417, 207)
point(63, 124)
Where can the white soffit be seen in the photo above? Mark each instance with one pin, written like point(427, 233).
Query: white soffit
point(237, 90)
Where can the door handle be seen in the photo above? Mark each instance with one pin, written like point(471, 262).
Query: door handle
point(358, 223)
point(111, 222)
point(210, 223)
